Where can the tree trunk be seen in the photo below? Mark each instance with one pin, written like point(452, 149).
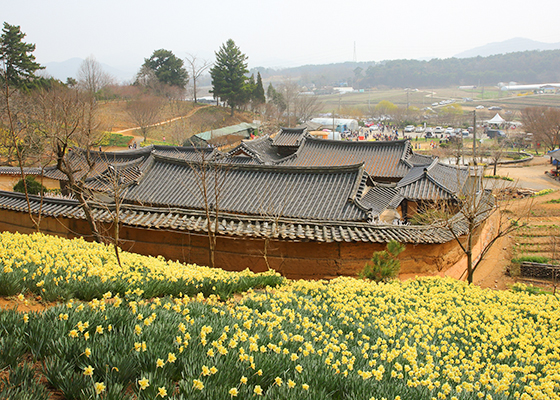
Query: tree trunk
point(89, 216)
point(470, 234)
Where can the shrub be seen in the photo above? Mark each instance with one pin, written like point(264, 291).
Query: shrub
point(33, 186)
point(543, 192)
point(384, 264)
point(504, 178)
point(534, 259)
point(115, 140)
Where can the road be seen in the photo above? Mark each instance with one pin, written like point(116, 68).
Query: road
point(531, 175)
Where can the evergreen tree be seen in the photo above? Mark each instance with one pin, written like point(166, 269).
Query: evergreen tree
point(250, 86)
point(258, 92)
point(276, 98)
point(18, 64)
point(228, 75)
point(270, 92)
point(168, 68)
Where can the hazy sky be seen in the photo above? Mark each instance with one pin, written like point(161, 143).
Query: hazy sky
point(275, 33)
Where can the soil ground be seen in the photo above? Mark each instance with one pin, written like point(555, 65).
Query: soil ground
point(491, 272)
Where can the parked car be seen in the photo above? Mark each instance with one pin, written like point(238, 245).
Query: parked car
point(479, 107)
point(496, 108)
point(409, 128)
point(438, 129)
point(492, 133)
point(465, 132)
point(420, 129)
point(428, 135)
point(449, 131)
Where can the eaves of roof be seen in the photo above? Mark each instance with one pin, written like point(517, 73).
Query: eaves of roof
point(238, 225)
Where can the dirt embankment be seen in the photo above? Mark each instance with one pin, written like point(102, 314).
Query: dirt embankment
point(541, 216)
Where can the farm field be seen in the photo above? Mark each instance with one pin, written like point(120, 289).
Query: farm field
point(158, 329)
point(367, 100)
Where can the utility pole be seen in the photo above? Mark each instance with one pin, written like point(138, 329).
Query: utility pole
point(407, 102)
point(474, 138)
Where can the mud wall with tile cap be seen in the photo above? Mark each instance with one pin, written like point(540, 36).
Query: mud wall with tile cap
point(295, 260)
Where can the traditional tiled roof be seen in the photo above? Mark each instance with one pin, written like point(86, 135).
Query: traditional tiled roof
point(296, 192)
point(17, 171)
point(100, 161)
point(380, 197)
point(256, 151)
point(289, 137)
point(238, 225)
point(117, 177)
point(189, 153)
point(384, 160)
point(434, 182)
point(419, 159)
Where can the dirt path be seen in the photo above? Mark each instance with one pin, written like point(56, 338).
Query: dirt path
point(139, 138)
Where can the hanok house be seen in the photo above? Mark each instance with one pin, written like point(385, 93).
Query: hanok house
point(320, 211)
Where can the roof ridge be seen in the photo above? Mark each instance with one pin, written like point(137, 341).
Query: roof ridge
point(432, 165)
point(263, 167)
point(364, 143)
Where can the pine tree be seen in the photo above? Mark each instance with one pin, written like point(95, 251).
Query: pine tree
point(258, 92)
point(168, 68)
point(18, 64)
point(228, 75)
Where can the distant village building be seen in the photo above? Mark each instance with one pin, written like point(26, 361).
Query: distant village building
point(337, 124)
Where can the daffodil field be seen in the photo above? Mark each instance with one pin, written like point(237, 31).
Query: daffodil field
point(57, 268)
point(428, 338)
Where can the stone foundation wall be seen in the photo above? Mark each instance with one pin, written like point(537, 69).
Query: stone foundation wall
point(309, 260)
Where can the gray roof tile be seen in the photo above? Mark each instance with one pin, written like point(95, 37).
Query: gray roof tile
point(289, 137)
point(297, 192)
point(384, 160)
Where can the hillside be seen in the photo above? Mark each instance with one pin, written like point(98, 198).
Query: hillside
point(178, 120)
point(507, 46)
point(523, 67)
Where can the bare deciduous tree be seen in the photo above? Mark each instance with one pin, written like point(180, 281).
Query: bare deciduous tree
point(289, 91)
point(210, 183)
point(464, 215)
point(66, 118)
point(145, 111)
point(496, 152)
point(544, 123)
point(91, 76)
point(197, 68)
point(17, 141)
point(306, 106)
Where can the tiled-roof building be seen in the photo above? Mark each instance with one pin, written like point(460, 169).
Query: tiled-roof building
point(290, 188)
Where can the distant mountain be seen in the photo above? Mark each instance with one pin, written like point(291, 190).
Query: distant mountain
point(507, 46)
point(69, 68)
